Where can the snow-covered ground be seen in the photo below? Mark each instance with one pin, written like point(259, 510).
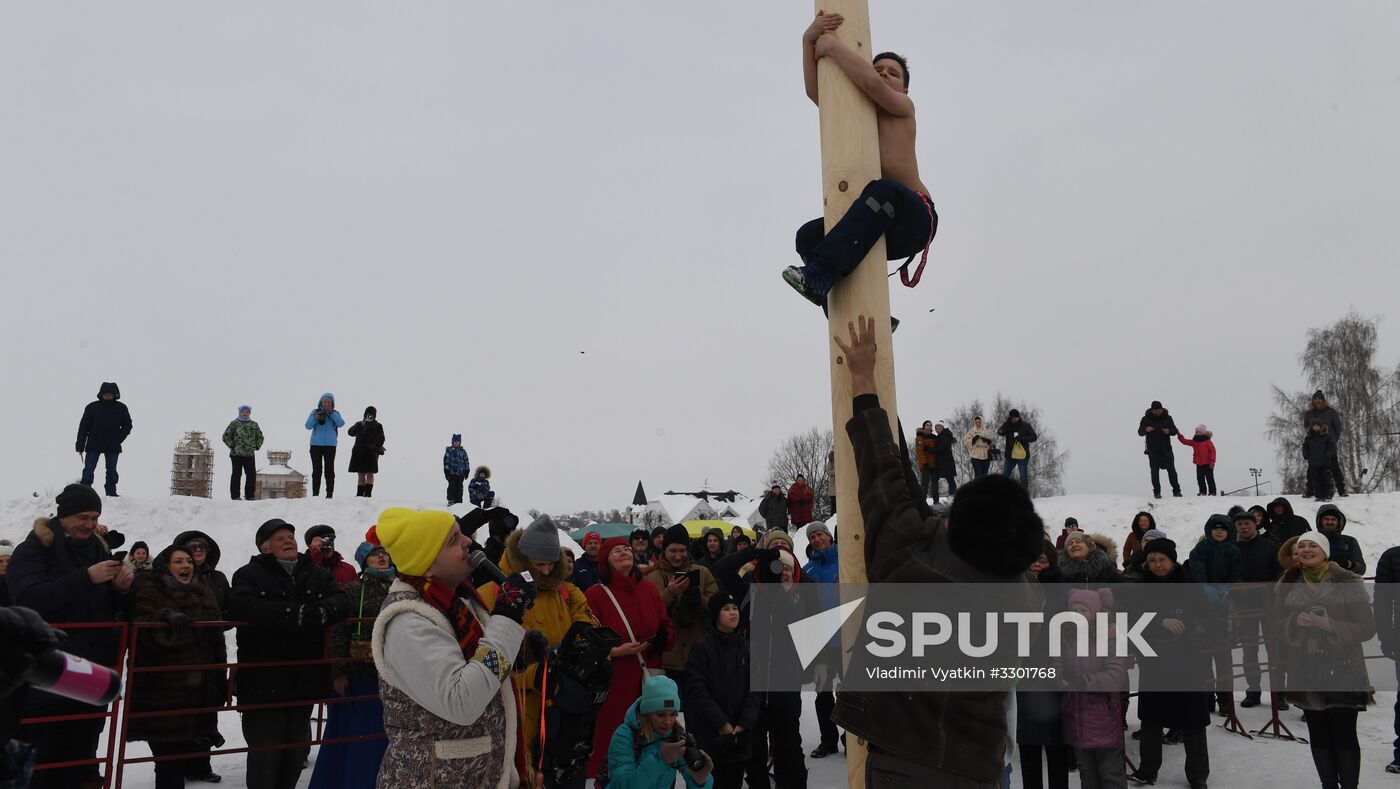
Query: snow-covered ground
point(1235, 761)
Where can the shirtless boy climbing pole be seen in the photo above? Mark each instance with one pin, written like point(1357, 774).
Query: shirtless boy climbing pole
point(897, 206)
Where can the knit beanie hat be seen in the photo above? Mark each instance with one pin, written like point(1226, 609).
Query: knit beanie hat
point(540, 541)
point(6, 550)
point(77, 498)
point(605, 570)
point(1316, 538)
point(455, 438)
point(591, 536)
point(717, 603)
point(659, 531)
point(319, 530)
point(363, 551)
point(773, 537)
point(1201, 428)
point(1318, 395)
point(1013, 414)
point(818, 527)
point(1071, 520)
point(659, 694)
point(1156, 534)
point(412, 537)
point(639, 534)
point(676, 535)
point(1155, 404)
point(1162, 546)
point(270, 528)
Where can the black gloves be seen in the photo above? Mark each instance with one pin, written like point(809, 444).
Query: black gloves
point(767, 556)
point(515, 598)
point(658, 643)
point(532, 650)
point(179, 624)
point(23, 635)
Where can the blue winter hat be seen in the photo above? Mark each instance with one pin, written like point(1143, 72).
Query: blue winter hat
point(362, 553)
point(243, 408)
point(659, 694)
point(455, 438)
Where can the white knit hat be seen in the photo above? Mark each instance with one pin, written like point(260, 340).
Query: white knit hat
point(1316, 538)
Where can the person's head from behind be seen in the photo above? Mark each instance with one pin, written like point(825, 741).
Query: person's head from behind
point(994, 527)
point(893, 69)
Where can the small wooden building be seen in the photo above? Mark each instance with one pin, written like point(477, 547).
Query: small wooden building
point(278, 480)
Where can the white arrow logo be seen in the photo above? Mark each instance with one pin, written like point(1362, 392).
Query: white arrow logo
point(811, 635)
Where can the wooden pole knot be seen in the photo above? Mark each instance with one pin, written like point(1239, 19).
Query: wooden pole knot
point(843, 186)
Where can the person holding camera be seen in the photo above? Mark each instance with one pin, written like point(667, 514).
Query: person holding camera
point(980, 442)
point(722, 709)
point(444, 662)
point(364, 455)
point(559, 604)
point(651, 748)
point(320, 546)
point(64, 570)
point(633, 610)
point(288, 602)
point(685, 588)
point(174, 595)
point(1325, 617)
point(324, 423)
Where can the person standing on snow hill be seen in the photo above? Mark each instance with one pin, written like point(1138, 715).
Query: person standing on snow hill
point(1019, 436)
point(1320, 452)
point(479, 489)
point(287, 602)
point(1319, 410)
point(979, 441)
point(1157, 428)
point(364, 455)
point(926, 454)
point(320, 546)
point(647, 751)
point(943, 440)
point(773, 508)
point(444, 663)
point(799, 501)
point(1203, 456)
point(103, 429)
point(243, 438)
point(455, 465)
point(324, 423)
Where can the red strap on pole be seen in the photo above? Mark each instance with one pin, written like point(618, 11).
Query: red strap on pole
point(904, 277)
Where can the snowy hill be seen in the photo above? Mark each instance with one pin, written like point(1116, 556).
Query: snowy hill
point(1235, 761)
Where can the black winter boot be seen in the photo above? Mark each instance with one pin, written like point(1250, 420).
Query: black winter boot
point(359, 491)
point(369, 491)
point(1252, 699)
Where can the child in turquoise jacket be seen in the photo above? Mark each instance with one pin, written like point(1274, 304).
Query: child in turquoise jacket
point(641, 754)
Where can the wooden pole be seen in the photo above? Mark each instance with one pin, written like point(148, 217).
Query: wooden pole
point(851, 159)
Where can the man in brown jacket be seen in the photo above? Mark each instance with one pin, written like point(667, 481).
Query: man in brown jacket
point(686, 589)
point(952, 740)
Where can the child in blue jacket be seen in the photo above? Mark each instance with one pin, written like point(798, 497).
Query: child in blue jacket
point(454, 469)
point(642, 755)
point(479, 489)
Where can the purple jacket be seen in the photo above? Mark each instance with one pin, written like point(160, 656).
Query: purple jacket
point(1093, 712)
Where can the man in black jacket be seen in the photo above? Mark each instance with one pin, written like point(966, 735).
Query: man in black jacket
point(1157, 429)
point(1346, 551)
point(105, 425)
point(1259, 569)
point(65, 571)
point(1281, 524)
point(288, 602)
point(947, 469)
point(955, 740)
point(1019, 435)
point(1387, 609)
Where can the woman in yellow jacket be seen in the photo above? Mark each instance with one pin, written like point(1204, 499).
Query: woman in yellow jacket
point(536, 549)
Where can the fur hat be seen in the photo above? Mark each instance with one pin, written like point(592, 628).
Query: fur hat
point(77, 498)
point(994, 527)
point(1163, 546)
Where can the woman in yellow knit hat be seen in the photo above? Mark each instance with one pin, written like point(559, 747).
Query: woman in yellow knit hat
point(443, 661)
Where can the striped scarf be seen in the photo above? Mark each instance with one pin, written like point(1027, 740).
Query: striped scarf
point(455, 605)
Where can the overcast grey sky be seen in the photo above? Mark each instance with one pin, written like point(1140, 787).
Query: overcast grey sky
point(558, 228)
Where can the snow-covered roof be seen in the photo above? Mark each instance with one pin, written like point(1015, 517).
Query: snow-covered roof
point(279, 471)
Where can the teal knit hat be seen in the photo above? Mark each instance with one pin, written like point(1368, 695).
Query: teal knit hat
point(659, 694)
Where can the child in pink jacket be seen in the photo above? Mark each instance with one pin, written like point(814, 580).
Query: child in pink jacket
point(1203, 455)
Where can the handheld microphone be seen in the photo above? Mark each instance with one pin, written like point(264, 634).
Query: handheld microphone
point(479, 561)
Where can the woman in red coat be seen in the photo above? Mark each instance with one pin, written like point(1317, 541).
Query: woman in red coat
point(651, 635)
